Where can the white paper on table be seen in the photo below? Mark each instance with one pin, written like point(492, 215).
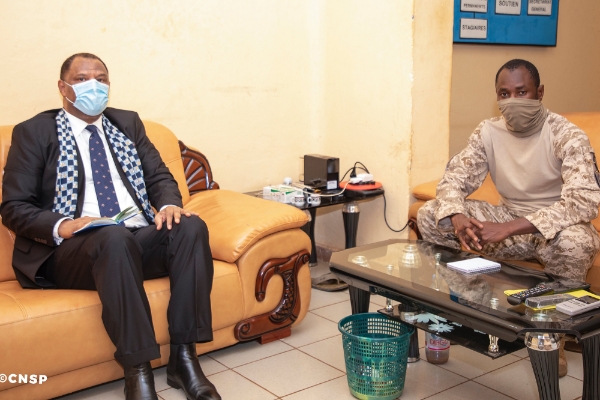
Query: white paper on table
point(474, 265)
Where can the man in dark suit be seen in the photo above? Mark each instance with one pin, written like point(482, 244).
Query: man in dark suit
point(68, 167)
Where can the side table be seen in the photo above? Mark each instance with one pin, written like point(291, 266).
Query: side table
point(350, 214)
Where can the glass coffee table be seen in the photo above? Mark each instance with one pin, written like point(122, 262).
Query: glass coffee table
point(470, 310)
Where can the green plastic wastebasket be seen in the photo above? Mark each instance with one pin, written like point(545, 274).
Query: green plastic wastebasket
point(376, 352)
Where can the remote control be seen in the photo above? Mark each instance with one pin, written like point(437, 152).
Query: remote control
point(535, 291)
point(579, 305)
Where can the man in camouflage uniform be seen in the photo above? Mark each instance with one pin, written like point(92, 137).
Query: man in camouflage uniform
point(545, 171)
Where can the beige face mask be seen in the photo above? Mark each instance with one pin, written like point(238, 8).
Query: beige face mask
point(523, 117)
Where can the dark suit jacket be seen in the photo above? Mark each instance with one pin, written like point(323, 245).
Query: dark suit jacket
point(29, 181)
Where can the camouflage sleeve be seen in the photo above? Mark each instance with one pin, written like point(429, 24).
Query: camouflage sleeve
point(580, 194)
point(465, 172)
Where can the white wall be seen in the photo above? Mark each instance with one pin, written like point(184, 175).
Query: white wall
point(387, 101)
point(254, 85)
point(231, 78)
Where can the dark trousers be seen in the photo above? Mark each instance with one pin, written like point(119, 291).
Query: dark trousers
point(115, 261)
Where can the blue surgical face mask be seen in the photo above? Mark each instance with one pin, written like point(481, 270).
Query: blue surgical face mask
point(91, 97)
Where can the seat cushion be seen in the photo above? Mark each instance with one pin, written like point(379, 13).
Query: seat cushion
point(55, 331)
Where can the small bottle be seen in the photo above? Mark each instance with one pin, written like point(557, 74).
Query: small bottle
point(437, 349)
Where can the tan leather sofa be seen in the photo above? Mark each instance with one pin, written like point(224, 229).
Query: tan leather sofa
point(589, 122)
point(261, 286)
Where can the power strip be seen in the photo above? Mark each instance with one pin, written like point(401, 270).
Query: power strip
point(361, 178)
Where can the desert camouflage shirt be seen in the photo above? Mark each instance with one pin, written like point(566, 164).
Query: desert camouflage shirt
point(579, 194)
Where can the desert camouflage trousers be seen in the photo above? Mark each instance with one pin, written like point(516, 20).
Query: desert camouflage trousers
point(569, 254)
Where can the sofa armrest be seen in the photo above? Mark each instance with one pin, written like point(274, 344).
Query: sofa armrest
point(236, 221)
point(275, 282)
point(198, 173)
point(425, 191)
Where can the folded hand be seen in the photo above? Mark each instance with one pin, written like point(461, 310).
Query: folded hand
point(491, 232)
point(464, 229)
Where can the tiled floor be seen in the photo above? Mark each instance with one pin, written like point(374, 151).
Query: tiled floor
point(310, 365)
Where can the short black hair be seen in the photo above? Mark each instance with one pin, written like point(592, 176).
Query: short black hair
point(516, 63)
point(67, 63)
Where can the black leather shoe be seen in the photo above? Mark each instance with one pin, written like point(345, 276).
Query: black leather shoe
point(139, 382)
point(184, 372)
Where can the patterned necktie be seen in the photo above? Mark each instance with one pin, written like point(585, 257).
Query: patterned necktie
point(105, 190)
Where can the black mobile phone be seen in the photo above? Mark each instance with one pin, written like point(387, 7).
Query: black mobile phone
point(567, 285)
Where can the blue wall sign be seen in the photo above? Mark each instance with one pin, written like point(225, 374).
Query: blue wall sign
point(525, 22)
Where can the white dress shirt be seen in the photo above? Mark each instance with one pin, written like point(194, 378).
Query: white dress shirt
point(90, 201)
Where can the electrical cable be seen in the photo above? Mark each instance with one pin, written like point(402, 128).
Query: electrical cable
point(384, 200)
point(385, 217)
point(349, 169)
point(365, 167)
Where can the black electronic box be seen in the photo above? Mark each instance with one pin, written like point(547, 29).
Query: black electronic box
point(321, 172)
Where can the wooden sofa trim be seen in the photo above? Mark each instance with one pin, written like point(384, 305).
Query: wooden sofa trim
point(198, 174)
point(412, 224)
point(277, 323)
